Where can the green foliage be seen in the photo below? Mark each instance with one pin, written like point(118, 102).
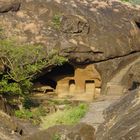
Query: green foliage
point(32, 115)
point(24, 114)
point(56, 137)
point(56, 21)
point(27, 103)
point(9, 88)
point(23, 62)
point(68, 116)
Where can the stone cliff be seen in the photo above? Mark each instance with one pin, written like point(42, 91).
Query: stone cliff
point(103, 33)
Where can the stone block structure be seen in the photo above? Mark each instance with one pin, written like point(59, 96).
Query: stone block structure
point(84, 84)
point(73, 82)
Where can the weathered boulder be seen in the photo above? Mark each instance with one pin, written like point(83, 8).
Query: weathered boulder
point(103, 32)
point(12, 128)
point(9, 5)
point(122, 120)
point(79, 132)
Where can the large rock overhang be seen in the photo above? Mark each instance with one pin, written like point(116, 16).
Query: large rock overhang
point(86, 32)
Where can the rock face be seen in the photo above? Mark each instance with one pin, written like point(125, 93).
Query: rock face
point(88, 31)
point(104, 32)
point(79, 132)
point(122, 119)
point(6, 6)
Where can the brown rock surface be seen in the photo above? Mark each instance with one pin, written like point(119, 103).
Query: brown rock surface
point(122, 120)
point(103, 32)
point(85, 31)
point(79, 132)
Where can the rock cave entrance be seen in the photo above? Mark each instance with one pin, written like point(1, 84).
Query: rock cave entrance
point(61, 71)
point(49, 82)
point(77, 82)
point(44, 85)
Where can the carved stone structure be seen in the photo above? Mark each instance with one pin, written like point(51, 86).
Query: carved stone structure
point(74, 82)
point(84, 84)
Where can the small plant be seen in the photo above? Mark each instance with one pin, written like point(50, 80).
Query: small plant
point(56, 21)
point(56, 137)
point(33, 115)
point(24, 114)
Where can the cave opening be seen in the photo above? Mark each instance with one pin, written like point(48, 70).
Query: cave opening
point(43, 80)
point(64, 70)
point(48, 81)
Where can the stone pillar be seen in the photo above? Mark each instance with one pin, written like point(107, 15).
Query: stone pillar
point(80, 80)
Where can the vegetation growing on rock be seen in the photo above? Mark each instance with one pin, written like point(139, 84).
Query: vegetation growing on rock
point(69, 116)
point(22, 63)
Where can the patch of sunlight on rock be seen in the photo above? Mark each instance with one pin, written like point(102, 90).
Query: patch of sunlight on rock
point(69, 116)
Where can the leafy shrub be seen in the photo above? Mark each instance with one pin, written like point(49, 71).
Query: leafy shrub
point(22, 63)
point(28, 103)
point(9, 88)
point(32, 115)
point(68, 116)
point(56, 137)
point(56, 21)
point(24, 114)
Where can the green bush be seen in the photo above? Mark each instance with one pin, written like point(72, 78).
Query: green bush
point(56, 137)
point(24, 114)
point(56, 21)
point(68, 116)
point(33, 115)
point(9, 88)
point(23, 63)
